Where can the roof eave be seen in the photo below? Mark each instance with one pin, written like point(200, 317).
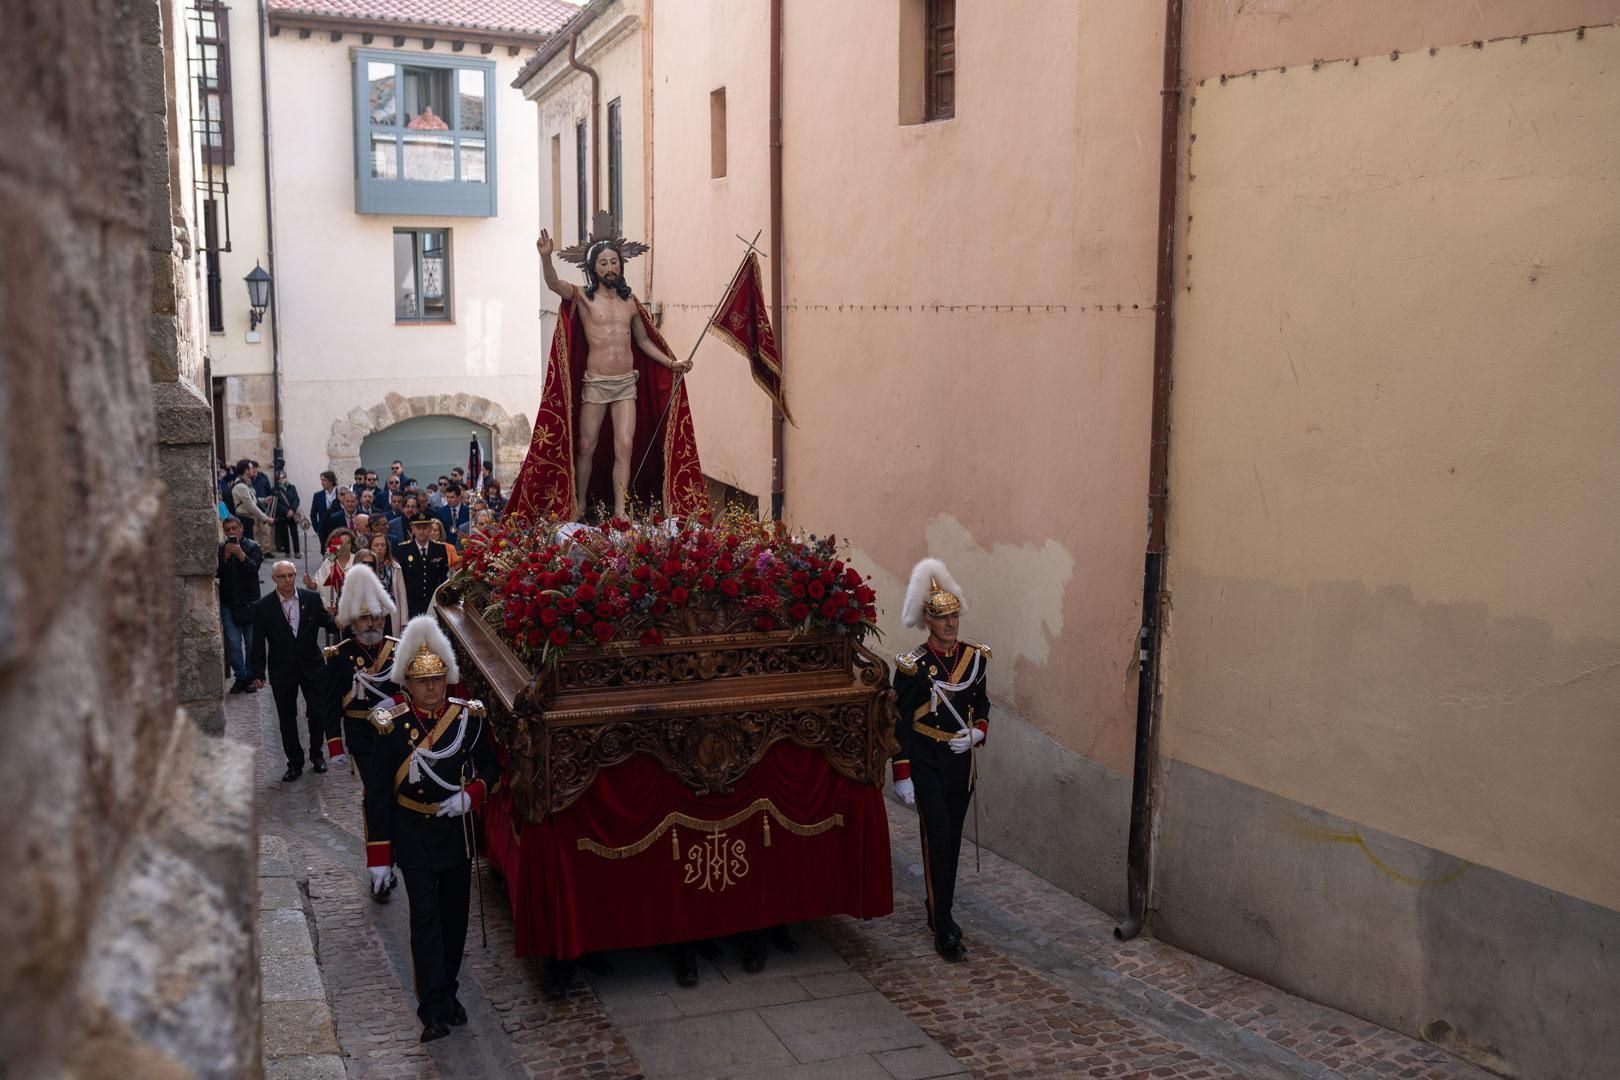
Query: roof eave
point(400, 28)
point(559, 40)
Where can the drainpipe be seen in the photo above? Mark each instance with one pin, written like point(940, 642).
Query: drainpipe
point(778, 468)
point(1139, 853)
point(278, 457)
point(596, 126)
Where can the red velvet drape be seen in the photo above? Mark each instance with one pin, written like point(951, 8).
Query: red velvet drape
point(567, 901)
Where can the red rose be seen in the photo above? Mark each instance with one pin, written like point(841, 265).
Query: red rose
point(583, 619)
point(637, 590)
point(865, 595)
point(827, 577)
point(732, 540)
point(817, 590)
point(585, 593)
point(651, 637)
point(643, 549)
point(706, 582)
point(642, 572)
point(672, 566)
point(798, 592)
point(603, 631)
point(725, 565)
point(852, 579)
point(829, 609)
point(729, 587)
point(800, 612)
point(548, 616)
point(559, 637)
point(800, 577)
point(851, 616)
point(679, 595)
point(567, 605)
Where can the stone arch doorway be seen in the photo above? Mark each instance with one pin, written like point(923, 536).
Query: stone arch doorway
point(429, 446)
point(509, 434)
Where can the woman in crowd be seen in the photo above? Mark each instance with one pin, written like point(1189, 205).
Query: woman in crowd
point(438, 538)
point(328, 580)
point(387, 569)
point(285, 511)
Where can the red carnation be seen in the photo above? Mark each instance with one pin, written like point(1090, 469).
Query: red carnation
point(729, 587)
point(817, 590)
point(851, 616)
point(725, 565)
point(706, 582)
point(583, 619)
point(672, 566)
point(800, 577)
point(732, 540)
point(559, 636)
point(642, 572)
point(865, 595)
point(567, 605)
point(637, 590)
point(799, 592)
point(679, 595)
point(603, 631)
point(800, 611)
point(585, 593)
point(643, 549)
point(548, 616)
point(829, 609)
point(852, 578)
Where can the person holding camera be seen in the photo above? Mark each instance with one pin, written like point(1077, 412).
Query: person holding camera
point(238, 575)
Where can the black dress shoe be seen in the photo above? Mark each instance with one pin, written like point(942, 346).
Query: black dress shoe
point(458, 1015)
point(783, 939)
point(596, 964)
point(293, 772)
point(950, 946)
point(318, 765)
point(686, 969)
point(709, 949)
point(238, 686)
point(434, 1029)
point(754, 953)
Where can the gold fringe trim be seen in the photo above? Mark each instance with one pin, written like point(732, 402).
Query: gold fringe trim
point(676, 818)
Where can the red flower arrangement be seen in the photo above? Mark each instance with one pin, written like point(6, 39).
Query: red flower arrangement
point(550, 587)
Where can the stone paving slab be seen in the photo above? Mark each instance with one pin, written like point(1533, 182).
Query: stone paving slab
point(857, 1067)
point(298, 1028)
point(836, 1027)
point(314, 1067)
point(717, 1046)
point(919, 1063)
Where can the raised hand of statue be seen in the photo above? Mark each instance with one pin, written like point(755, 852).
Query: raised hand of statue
point(545, 245)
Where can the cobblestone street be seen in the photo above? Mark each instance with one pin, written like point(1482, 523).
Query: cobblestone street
point(1046, 991)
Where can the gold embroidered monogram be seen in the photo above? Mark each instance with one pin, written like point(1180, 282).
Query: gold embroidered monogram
point(716, 862)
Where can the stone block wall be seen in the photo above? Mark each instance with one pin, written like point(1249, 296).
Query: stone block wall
point(250, 419)
point(128, 945)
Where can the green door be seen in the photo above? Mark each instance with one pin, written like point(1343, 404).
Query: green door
point(430, 446)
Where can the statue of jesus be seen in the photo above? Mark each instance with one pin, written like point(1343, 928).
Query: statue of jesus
point(615, 328)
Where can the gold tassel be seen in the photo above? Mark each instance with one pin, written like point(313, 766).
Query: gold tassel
point(675, 844)
point(766, 818)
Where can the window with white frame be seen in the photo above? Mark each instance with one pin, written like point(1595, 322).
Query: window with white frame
point(425, 128)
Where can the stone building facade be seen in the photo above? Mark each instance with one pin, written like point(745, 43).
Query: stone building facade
point(129, 944)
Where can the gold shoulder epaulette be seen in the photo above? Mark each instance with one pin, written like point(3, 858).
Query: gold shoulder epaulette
point(332, 650)
point(906, 663)
point(985, 649)
point(382, 717)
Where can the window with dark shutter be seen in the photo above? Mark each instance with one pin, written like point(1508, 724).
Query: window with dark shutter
point(941, 60)
point(582, 196)
point(214, 83)
point(615, 176)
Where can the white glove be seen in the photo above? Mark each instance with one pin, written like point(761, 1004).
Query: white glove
point(967, 741)
point(381, 877)
point(907, 792)
point(455, 805)
point(339, 759)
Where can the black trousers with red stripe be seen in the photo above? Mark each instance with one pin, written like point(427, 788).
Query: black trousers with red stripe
point(941, 810)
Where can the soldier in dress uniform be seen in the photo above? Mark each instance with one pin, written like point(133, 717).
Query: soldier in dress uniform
point(424, 563)
point(357, 670)
point(427, 763)
point(944, 709)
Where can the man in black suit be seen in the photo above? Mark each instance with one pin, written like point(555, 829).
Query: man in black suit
point(342, 515)
point(424, 563)
point(455, 514)
point(322, 504)
point(288, 622)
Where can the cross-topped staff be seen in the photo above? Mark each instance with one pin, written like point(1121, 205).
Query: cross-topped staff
point(652, 439)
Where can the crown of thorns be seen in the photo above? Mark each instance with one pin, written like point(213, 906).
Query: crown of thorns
point(604, 230)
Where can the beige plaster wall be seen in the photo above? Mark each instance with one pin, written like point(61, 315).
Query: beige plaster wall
point(1394, 519)
point(341, 348)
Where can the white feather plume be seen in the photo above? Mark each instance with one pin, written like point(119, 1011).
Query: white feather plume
point(923, 575)
point(362, 589)
point(423, 630)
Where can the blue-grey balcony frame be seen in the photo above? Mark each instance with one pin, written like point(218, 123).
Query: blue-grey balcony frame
point(421, 198)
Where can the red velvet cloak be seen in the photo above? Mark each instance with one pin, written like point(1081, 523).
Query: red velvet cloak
point(672, 476)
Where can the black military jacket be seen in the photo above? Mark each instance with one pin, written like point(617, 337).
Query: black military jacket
point(423, 573)
point(924, 729)
point(352, 699)
point(401, 826)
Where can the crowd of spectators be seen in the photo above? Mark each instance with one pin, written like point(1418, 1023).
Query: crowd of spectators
point(367, 521)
